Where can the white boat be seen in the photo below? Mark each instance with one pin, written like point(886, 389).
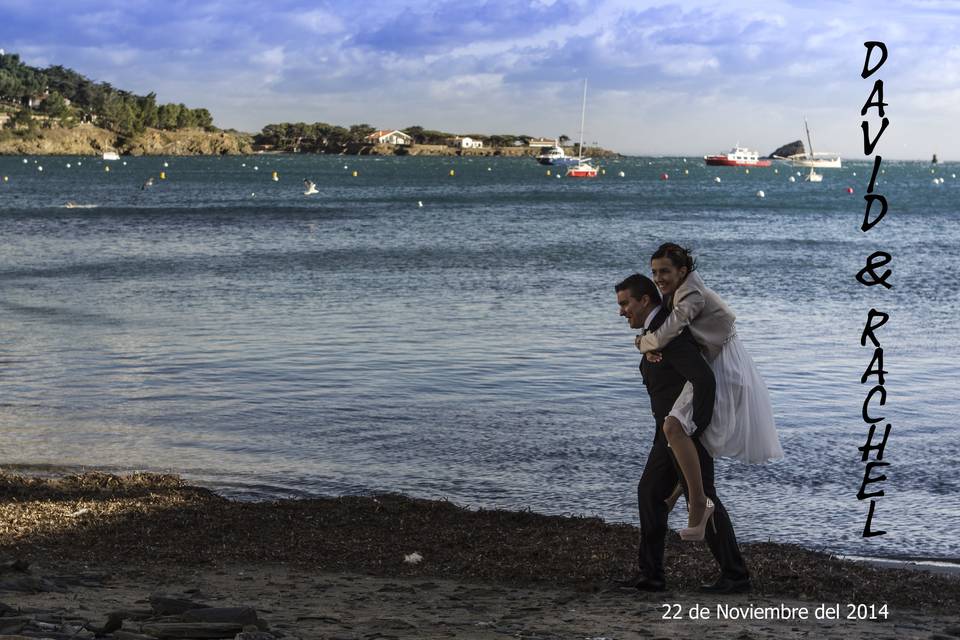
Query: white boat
point(583, 168)
point(555, 156)
point(737, 157)
point(111, 155)
point(814, 160)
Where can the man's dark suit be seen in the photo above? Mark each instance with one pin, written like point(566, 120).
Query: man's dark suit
point(681, 362)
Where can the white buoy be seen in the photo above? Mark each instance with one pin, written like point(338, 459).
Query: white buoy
point(776, 170)
point(124, 163)
point(166, 165)
point(792, 179)
point(243, 164)
point(686, 172)
point(256, 168)
point(558, 175)
point(68, 165)
point(345, 167)
point(25, 161)
point(953, 175)
point(419, 203)
point(489, 169)
point(40, 168)
point(799, 174)
point(746, 170)
point(854, 173)
point(621, 174)
point(717, 179)
point(761, 194)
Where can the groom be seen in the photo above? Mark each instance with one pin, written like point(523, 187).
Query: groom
point(640, 304)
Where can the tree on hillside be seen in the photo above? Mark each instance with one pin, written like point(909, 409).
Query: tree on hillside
point(149, 112)
point(167, 116)
point(185, 118)
point(358, 132)
point(56, 106)
point(415, 132)
point(435, 137)
point(203, 119)
point(22, 118)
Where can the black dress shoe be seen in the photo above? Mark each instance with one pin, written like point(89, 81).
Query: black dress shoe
point(726, 585)
point(642, 584)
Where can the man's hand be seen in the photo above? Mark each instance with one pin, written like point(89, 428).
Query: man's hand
point(654, 356)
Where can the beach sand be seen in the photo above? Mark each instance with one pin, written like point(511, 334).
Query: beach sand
point(75, 550)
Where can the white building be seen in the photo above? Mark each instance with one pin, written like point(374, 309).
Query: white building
point(470, 143)
point(389, 136)
point(540, 143)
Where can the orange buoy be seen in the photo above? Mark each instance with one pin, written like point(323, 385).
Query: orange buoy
point(849, 189)
point(664, 176)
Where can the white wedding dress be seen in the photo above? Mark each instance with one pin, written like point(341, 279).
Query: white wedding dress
point(742, 426)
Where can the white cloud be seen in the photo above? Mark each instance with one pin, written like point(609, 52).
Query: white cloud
point(465, 87)
point(321, 22)
point(690, 67)
point(271, 58)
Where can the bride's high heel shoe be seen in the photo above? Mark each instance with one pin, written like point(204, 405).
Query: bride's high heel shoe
point(699, 532)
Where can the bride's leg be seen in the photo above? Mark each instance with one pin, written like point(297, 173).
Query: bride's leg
point(686, 454)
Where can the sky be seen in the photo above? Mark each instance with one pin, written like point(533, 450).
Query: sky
point(686, 78)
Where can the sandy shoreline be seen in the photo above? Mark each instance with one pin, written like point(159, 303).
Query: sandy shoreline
point(334, 568)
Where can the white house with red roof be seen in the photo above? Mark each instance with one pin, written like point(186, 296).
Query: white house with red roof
point(389, 136)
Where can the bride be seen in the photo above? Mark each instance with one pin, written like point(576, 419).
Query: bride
point(742, 425)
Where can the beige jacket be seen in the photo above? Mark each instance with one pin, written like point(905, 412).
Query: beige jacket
point(694, 305)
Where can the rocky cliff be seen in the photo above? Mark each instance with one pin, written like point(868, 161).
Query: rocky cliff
point(788, 150)
point(87, 139)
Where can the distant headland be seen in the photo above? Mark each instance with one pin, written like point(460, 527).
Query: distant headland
point(57, 111)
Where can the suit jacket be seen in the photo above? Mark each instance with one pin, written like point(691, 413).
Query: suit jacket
point(682, 362)
point(706, 314)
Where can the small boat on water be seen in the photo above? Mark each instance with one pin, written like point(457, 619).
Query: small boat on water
point(811, 159)
point(583, 168)
point(111, 155)
point(554, 155)
point(309, 188)
point(737, 157)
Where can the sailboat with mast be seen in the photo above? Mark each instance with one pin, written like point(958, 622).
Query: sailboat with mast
point(583, 168)
point(814, 160)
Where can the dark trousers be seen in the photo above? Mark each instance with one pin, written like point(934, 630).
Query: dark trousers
point(660, 476)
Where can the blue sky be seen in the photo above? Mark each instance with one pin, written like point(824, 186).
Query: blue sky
point(664, 78)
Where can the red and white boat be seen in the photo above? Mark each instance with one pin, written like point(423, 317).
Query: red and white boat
point(583, 168)
point(737, 157)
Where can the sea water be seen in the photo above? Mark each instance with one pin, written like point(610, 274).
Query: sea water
point(457, 336)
